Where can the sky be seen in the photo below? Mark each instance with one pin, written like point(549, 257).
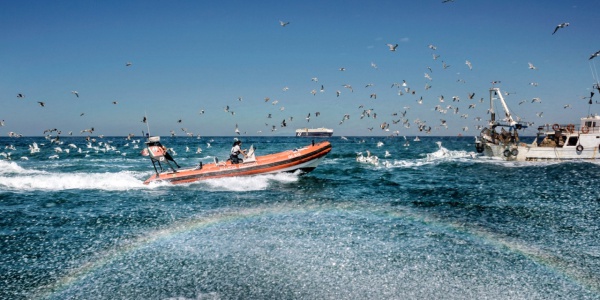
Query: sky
point(191, 60)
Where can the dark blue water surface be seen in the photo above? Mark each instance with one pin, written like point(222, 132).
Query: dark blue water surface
point(431, 220)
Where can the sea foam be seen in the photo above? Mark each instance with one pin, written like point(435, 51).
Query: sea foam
point(16, 178)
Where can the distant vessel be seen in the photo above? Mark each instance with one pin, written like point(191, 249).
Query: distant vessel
point(312, 132)
point(553, 142)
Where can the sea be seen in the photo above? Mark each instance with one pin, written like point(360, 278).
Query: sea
point(430, 220)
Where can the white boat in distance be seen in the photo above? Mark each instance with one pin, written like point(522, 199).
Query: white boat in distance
point(314, 132)
point(553, 142)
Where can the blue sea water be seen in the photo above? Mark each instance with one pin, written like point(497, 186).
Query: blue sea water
point(431, 221)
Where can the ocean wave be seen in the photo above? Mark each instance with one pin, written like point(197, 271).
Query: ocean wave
point(440, 155)
point(27, 180)
point(247, 183)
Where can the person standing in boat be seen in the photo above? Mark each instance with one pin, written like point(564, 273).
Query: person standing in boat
point(235, 151)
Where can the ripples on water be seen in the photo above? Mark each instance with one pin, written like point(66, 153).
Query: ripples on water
point(431, 220)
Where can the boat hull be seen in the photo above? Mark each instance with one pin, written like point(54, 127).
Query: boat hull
point(303, 159)
point(527, 152)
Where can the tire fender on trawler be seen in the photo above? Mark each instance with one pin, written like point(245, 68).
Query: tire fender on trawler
point(579, 148)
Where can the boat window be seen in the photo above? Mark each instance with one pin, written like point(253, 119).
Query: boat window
point(572, 141)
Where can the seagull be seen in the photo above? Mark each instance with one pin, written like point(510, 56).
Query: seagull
point(468, 63)
point(23, 96)
point(283, 24)
point(531, 66)
point(342, 69)
point(128, 64)
point(76, 93)
point(567, 106)
point(538, 100)
point(42, 104)
point(444, 65)
point(392, 47)
point(539, 114)
point(597, 53)
point(561, 25)
point(92, 129)
point(373, 65)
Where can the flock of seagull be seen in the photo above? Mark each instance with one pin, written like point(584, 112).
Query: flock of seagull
point(452, 105)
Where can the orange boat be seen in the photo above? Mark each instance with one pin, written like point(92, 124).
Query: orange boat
point(304, 159)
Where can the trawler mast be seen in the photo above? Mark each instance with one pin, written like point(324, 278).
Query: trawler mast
point(509, 118)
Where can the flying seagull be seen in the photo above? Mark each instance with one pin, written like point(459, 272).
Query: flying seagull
point(597, 53)
point(283, 24)
point(76, 93)
point(392, 47)
point(561, 25)
point(42, 104)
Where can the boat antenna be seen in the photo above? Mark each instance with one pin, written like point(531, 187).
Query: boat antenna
point(595, 86)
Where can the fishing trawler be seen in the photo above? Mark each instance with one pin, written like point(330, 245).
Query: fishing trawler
point(314, 132)
point(303, 159)
point(553, 142)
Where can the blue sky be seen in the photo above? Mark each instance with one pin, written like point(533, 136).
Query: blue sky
point(189, 56)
